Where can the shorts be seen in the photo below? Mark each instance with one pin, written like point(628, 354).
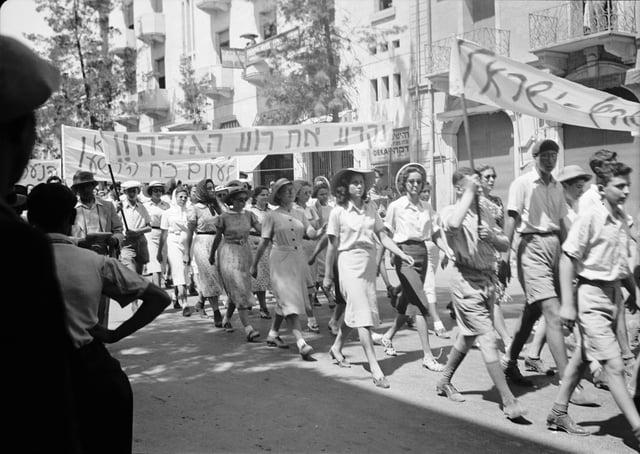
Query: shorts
point(598, 307)
point(538, 258)
point(473, 294)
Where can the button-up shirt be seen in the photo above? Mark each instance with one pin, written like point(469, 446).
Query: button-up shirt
point(155, 211)
point(409, 221)
point(541, 206)
point(136, 215)
point(98, 216)
point(355, 227)
point(600, 242)
point(470, 251)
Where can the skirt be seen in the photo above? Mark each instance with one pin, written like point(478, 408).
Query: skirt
point(357, 278)
point(308, 246)
point(175, 255)
point(234, 261)
point(208, 280)
point(262, 282)
point(290, 279)
point(153, 242)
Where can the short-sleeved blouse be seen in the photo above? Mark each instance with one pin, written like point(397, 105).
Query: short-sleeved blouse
point(174, 220)
point(494, 206)
point(355, 227)
point(156, 210)
point(285, 228)
point(200, 216)
point(236, 226)
point(260, 214)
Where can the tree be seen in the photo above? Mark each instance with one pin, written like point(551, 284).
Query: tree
point(310, 76)
point(194, 103)
point(92, 79)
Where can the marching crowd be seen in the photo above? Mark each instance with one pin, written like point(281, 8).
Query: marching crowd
point(576, 255)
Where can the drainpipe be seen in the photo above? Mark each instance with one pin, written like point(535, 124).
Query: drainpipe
point(432, 117)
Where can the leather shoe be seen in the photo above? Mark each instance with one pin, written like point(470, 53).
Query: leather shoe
point(565, 423)
point(513, 373)
point(276, 342)
point(447, 389)
point(305, 351)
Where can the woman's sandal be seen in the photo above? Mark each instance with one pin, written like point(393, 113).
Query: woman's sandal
point(433, 365)
point(339, 358)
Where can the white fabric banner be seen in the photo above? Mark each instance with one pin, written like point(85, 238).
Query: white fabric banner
point(139, 147)
point(491, 79)
point(38, 170)
point(83, 149)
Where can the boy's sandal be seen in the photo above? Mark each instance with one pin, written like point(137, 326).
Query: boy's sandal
point(432, 365)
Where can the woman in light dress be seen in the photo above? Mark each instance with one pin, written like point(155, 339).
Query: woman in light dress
point(200, 234)
point(353, 226)
point(262, 282)
point(234, 256)
point(284, 228)
point(174, 234)
point(155, 207)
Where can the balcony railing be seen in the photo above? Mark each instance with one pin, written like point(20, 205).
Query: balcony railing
point(258, 52)
point(212, 82)
point(150, 28)
point(572, 20)
point(439, 53)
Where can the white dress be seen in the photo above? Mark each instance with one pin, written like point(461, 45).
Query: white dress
point(174, 221)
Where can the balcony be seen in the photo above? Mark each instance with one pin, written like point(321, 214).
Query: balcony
point(154, 102)
point(128, 115)
point(124, 42)
point(570, 28)
point(254, 75)
point(214, 6)
point(212, 86)
point(151, 28)
point(258, 53)
point(439, 53)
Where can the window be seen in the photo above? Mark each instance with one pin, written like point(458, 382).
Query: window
point(396, 43)
point(397, 86)
point(384, 89)
point(156, 6)
point(160, 75)
point(481, 9)
point(230, 124)
point(273, 167)
point(223, 40)
point(384, 4)
point(384, 47)
point(374, 89)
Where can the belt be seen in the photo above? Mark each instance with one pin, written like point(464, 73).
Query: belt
point(206, 233)
point(555, 233)
point(468, 269)
point(413, 243)
point(154, 227)
point(597, 282)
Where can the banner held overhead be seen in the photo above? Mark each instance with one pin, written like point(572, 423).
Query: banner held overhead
point(488, 78)
point(126, 148)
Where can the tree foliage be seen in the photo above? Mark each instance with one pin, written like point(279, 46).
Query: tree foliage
point(310, 75)
point(193, 104)
point(93, 80)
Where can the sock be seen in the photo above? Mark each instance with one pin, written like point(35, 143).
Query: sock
point(273, 333)
point(497, 376)
point(559, 409)
point(438, 325)
point(455, 358)
point(311, 321)
point(301, 343)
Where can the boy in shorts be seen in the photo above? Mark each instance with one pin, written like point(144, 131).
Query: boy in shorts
point(598, 251)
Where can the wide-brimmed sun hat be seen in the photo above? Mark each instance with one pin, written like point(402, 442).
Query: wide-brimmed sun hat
point(573, 172)
point(130, 185)
point(367, 174)
point(83, 177)
point(234, 191)
point(155, 184)
point(418, 168)
point(276, 187)
point(26, 80)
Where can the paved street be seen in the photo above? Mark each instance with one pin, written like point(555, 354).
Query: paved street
point(198, 389)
